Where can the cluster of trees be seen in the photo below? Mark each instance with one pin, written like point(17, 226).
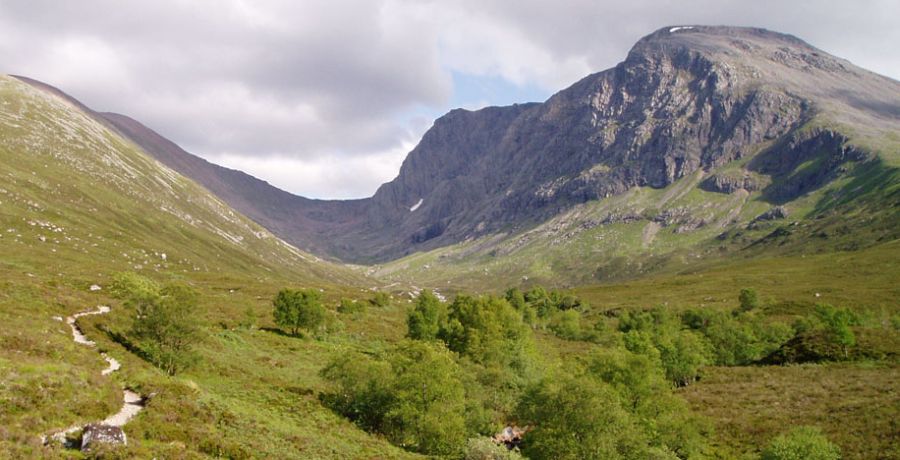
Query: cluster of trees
point(164, 326)
point(469, 366)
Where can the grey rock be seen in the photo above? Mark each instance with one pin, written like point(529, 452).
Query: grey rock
point(95, 434)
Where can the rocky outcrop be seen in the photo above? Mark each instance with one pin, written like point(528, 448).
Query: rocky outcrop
point(728, 183)
point(806, 161)
point(778, 212)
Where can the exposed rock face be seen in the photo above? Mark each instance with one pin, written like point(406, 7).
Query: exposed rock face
point(778, 212)
point(724, 183)
point(685, 99)
point(95, 434)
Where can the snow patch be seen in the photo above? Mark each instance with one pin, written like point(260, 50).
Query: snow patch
point(416, 206)
point(676, 29)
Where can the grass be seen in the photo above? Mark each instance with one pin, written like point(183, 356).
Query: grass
point(856, 405)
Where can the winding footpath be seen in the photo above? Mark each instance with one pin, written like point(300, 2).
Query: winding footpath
point(132, 403)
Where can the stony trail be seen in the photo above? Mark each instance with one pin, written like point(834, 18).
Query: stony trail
point(132, 403)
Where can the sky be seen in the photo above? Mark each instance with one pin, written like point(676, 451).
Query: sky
point(324, 98)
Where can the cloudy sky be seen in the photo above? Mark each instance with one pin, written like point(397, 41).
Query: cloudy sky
point(325, 98)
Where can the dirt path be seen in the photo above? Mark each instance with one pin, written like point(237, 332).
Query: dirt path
point(649, 233)
point(132, 403)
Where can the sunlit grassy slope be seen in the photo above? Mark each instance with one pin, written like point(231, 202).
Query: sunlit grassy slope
point(78, 204)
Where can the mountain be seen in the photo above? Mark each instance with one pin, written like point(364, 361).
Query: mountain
point(737, 109)
point(75, 192)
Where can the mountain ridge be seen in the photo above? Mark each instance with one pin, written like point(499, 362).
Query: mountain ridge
point(685, 99)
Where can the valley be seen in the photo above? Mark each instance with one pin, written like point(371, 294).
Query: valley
point(685, 256)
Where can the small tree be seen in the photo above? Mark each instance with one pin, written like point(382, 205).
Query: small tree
point(837, 323)
point(802, 443)
point(424, 321)
point(164, 327)
point(748, 299)
point(298, 309)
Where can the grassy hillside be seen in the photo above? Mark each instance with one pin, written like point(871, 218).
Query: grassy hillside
point(78, 204)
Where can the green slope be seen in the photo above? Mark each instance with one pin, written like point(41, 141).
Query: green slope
point(78, 204)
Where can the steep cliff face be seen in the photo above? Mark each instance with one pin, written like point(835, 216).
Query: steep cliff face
point(686, 100)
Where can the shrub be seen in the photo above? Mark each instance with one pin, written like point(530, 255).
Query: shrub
point(351, 307)
point(802, 443)
point(682, 355)
point(381, 299)
point(748, 299)
point(298, 309)
point(487, 449)
point(566, 324)
point(577, 418)
point(425, 320)
point(487, 330)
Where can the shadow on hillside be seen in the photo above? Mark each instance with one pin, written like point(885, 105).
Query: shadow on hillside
point(281, 332)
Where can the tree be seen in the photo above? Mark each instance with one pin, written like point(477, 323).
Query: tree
point(487, 330)
point(749, 300)
point(429, 414)
point(425, 320)
point(578, 418)
point(413, 394)
point(682, 355)
point(164, 327)
point(802, 443)
point(297, 309)
point(837, 323)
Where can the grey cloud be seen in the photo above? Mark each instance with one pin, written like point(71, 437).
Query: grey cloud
point(335, 83)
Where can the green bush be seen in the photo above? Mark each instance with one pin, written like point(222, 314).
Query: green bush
point(487, 449)
point(164, 327)
point(297, 309)
point(578, 418)
point(566, 324)
point(425, 320)
point(381, 299)
point(414, 395)
point(802, 443)
point(351, 307)
point(748, 299)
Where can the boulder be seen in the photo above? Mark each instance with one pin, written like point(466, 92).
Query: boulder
point(98, 433)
